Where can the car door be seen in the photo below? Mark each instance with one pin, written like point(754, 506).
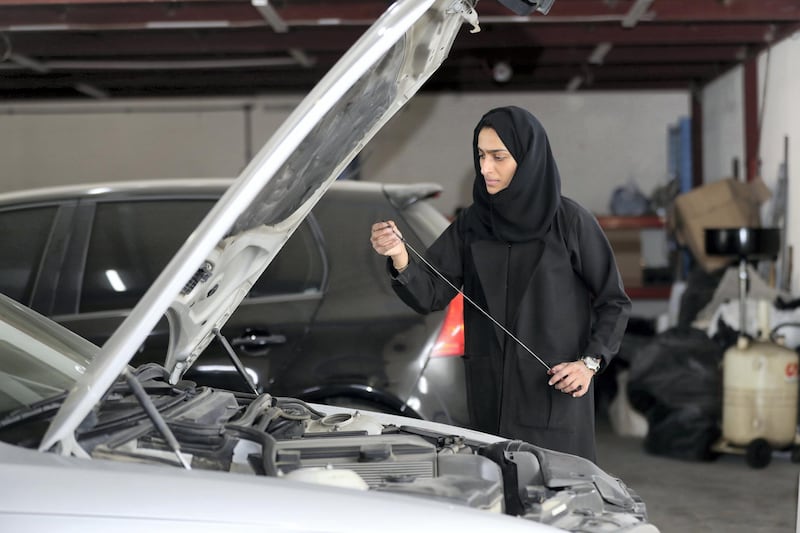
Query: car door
point(125, 244)
point(268, 328)
point(34, 238)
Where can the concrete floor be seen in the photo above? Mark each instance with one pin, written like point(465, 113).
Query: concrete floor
point(725, 495)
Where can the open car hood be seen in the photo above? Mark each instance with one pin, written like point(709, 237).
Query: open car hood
point(213, 271)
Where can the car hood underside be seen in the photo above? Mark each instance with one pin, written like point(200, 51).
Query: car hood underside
point(213, 271)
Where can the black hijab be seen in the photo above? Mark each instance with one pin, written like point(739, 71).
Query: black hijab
point(524, 210)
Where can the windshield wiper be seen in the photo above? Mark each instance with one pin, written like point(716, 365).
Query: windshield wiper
point(33, 410)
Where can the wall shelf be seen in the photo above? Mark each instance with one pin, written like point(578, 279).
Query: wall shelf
point(638, 222)
point(635, 240)
point(649, 292)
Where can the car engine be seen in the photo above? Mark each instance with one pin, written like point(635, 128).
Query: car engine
point(284, 437)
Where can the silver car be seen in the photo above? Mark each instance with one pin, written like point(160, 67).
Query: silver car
point(320, 324)
point(87, 442)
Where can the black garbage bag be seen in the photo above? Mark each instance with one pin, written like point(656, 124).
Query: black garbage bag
point(676, 382)
point(638, 334)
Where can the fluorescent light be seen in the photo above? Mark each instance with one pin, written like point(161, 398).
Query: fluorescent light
point(638, 9)
point(599, 53)
point(39, 27)
point(301, 57)
point(186, 24)
point(574, 83)
point(27, 62)
point(270, 15)
point(91, 90)
point(115, 281)
point(178, 64)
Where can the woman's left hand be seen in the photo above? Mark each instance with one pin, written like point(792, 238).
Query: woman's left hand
point(571, 378)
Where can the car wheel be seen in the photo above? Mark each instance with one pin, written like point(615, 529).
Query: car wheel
point(759, 453)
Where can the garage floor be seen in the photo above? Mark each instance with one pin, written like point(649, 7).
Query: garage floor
point(725, 495)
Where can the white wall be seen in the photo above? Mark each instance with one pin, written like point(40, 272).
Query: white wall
point(723, 125)
point(61, 143)
point(101, 143)
point(600, 140)
point(781, 118)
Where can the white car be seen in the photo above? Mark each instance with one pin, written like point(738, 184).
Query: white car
point(88, 443)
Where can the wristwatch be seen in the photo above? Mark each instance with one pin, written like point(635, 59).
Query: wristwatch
point(592, 363)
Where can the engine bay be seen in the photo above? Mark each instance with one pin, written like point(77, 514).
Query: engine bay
point(262, 435)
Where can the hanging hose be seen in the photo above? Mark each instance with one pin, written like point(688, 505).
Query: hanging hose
point(774, 330)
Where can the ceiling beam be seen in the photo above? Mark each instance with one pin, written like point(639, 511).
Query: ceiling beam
point(644, 34)
point(618, 54)
point(90, 14)
point(312, 40)
point(51, 46)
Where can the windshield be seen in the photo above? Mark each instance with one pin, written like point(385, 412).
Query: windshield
point(38, 358)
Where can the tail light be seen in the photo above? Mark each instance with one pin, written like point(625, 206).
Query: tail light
point(450, 341)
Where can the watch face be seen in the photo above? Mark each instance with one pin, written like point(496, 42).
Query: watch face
point(592, 363)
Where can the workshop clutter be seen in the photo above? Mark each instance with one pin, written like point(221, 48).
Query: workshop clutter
point(675, 383)
point(728, 203)
point(627, 247)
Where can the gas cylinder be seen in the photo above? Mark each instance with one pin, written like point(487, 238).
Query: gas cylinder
point(760, 390)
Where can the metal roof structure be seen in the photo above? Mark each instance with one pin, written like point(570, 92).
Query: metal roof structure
point(106, 49)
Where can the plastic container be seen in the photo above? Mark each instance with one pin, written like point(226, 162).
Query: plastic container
point(760, 394)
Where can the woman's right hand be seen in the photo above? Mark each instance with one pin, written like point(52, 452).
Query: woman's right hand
point(386, 240)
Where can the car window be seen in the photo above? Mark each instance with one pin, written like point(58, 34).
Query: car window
point(131, 243)
point(129, 246)
point(23, 237)
point(298, 267)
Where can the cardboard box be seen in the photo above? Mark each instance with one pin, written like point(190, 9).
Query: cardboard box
point(728, 203)
point(627, 246)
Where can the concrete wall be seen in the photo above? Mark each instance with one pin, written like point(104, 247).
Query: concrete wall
point(723, 127)
point(723, 135)
point(55, 144)
point(600, 140)
point(780, 86)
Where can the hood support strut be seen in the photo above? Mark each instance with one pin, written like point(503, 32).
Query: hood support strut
point(235, 360)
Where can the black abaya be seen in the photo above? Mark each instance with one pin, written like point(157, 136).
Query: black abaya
point(541, 265)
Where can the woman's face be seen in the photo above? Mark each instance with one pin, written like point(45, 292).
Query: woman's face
point(497, 165)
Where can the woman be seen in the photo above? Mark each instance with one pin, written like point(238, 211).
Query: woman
point(539, 264)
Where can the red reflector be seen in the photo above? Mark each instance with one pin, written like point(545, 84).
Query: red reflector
point(450, 342)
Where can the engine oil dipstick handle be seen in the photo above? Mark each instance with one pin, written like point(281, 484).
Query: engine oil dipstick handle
point(468, 299)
